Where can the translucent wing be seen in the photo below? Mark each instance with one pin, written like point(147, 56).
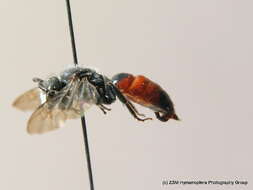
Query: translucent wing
point(45, 119)
point(80, 97)
point(87, 95)
point(55, 111)
point(69, 103)
point(28, 101)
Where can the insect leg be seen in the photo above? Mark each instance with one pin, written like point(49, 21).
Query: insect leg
point(103, 108)
point(136, 111)
point(128, 104)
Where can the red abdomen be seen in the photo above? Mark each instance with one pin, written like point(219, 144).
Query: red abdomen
point(145, 92)
point(140, 90)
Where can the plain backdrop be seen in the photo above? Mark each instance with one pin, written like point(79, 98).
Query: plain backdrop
point(199, 51)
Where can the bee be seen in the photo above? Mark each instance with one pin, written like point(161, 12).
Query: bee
point(69, 94)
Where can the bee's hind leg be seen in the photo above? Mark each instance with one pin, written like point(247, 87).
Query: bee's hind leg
point(136, 111)
point(129, 105)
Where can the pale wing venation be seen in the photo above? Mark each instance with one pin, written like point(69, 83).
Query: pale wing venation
point(61, 97)
point(29, 101)
point(70, 103)
point(86, 97)
point(54, 112)
point(45, 119)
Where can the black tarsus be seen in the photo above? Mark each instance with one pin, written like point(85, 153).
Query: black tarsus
point(103, 108)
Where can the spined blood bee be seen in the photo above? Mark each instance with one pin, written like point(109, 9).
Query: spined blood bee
point(145, 92)
point(69, 94)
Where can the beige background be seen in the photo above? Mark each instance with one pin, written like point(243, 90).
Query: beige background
point(199, 51)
